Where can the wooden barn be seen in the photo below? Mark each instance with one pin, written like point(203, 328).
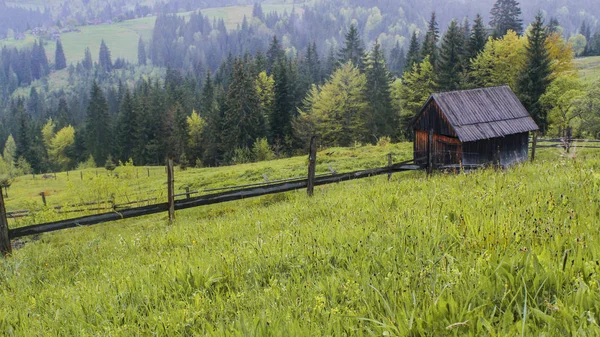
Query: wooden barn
point(473, 127)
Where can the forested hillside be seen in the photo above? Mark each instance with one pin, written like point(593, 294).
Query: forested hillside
point(207, 94)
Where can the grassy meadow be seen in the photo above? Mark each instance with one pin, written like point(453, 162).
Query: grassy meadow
point(487, 253)
point(122, 37)
point(588, 68)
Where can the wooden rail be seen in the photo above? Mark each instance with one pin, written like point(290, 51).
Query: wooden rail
point(206, 200)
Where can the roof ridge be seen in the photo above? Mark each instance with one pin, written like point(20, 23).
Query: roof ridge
point(500, 120)
point(474, 89)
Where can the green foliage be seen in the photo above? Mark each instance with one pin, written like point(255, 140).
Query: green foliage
point(262, 151)
point(563, 99)
point(579, 43)
point(184, 163)
point(336, 112)
point(60, 62)
point(89, 163)
point(60, 147)
point(506, 15)
point(352, 51)
point(477, 38)
point(110, 164)
point(23, 167)
point(430, 44)
point(452, 57)
point(242, 156)
point(535, 78)
point(413, 56)
point(10, 151)
point(381, 118)
point(97, 127)
point(501, 62)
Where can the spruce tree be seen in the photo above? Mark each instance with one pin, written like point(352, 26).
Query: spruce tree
point(430, 44)
point(450, 65)
point(280, 120)
point(478, 38)
point(274, 54)
point(352, 50)
point(243, 121)
point(97, 126)
point(380, 121)
point(104, 59)
point(535, 77)
point(397, 60)
point(126, 128)
point(87, 62)
point(413, 56)
point(506, 15)
point(142, 53)
point(209, 110)
point(331, 64)
point(60, 62)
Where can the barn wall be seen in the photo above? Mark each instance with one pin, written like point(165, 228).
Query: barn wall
point(433, 119)
point(446, 150)
point(507, 150)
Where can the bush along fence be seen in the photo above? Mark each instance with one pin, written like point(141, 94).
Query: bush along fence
point(222, 195)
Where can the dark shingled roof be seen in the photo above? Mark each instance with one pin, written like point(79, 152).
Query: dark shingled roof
point(484, 113)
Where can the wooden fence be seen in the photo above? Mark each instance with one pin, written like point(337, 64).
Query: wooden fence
point(224, 194)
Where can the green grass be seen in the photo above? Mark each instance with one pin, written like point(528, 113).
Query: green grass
point(588, 68)
point(122, 38)
point(133, 183)
point(488, 253)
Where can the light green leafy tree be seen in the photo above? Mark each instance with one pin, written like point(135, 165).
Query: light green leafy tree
point(336, 111)
point(561, 99)
point(59, 147)
point(195, 126)
point(10, 151)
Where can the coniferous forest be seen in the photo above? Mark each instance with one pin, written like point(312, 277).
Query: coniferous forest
point(207, 95)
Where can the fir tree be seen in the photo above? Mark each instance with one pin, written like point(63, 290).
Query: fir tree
point(451, 58)
point(397, 60)
point(126, 128)
point(506, 15)
point(243, 121)
point(142, 53)
point(535, 77)
point(430, 44)
point(330, 64)
point(87, 62)
point(478, 38)
point(413, 56)
point(97, 126)
point(280, 120)
point(257, 11)
point(274, 54)
point(60, 62)
point(104, 59)
point(380, 121)
point(352, 50)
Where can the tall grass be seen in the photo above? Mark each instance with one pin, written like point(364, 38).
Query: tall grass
point(488, 253)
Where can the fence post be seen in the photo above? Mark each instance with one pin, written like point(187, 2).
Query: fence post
point(312, 165)
point(187, 192)
point(171, 192)
point(534, 145)
point(81, 174)
point(5, 247)
point(148, 172)
point(430, 153)
point(390, 163)
point(43, 194)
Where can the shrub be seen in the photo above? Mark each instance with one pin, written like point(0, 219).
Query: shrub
point(262, 150)
point(384, 141)
point(242, 156)
point(110, 164)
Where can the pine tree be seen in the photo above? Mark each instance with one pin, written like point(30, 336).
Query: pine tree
point(450, 65)
point(331, 64)
point(87, 62)
point(209, 110)
point(352, 50)
point(243, 121)
point(60, 62)
point(97, 126)
point(430, 44)
point(535, 78)
point(257, 11)
point(380, 121)
point(126, 128)
point(477, 39)
point(142, 53)
point(104, 59)
point(413, 56)
point(274, 54)
point(397, 60)
point(280, 120)
point(313, 63)
point(506, 15)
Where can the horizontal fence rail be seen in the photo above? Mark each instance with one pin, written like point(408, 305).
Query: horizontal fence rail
point(239, 194)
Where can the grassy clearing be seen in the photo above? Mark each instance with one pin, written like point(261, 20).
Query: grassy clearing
point(133, 183)
point(588, 68)
point(487, 253)
point(122, 38)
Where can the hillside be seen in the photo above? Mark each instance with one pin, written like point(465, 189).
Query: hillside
point(588, 68)
point(122, 37)
point(490, 252)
